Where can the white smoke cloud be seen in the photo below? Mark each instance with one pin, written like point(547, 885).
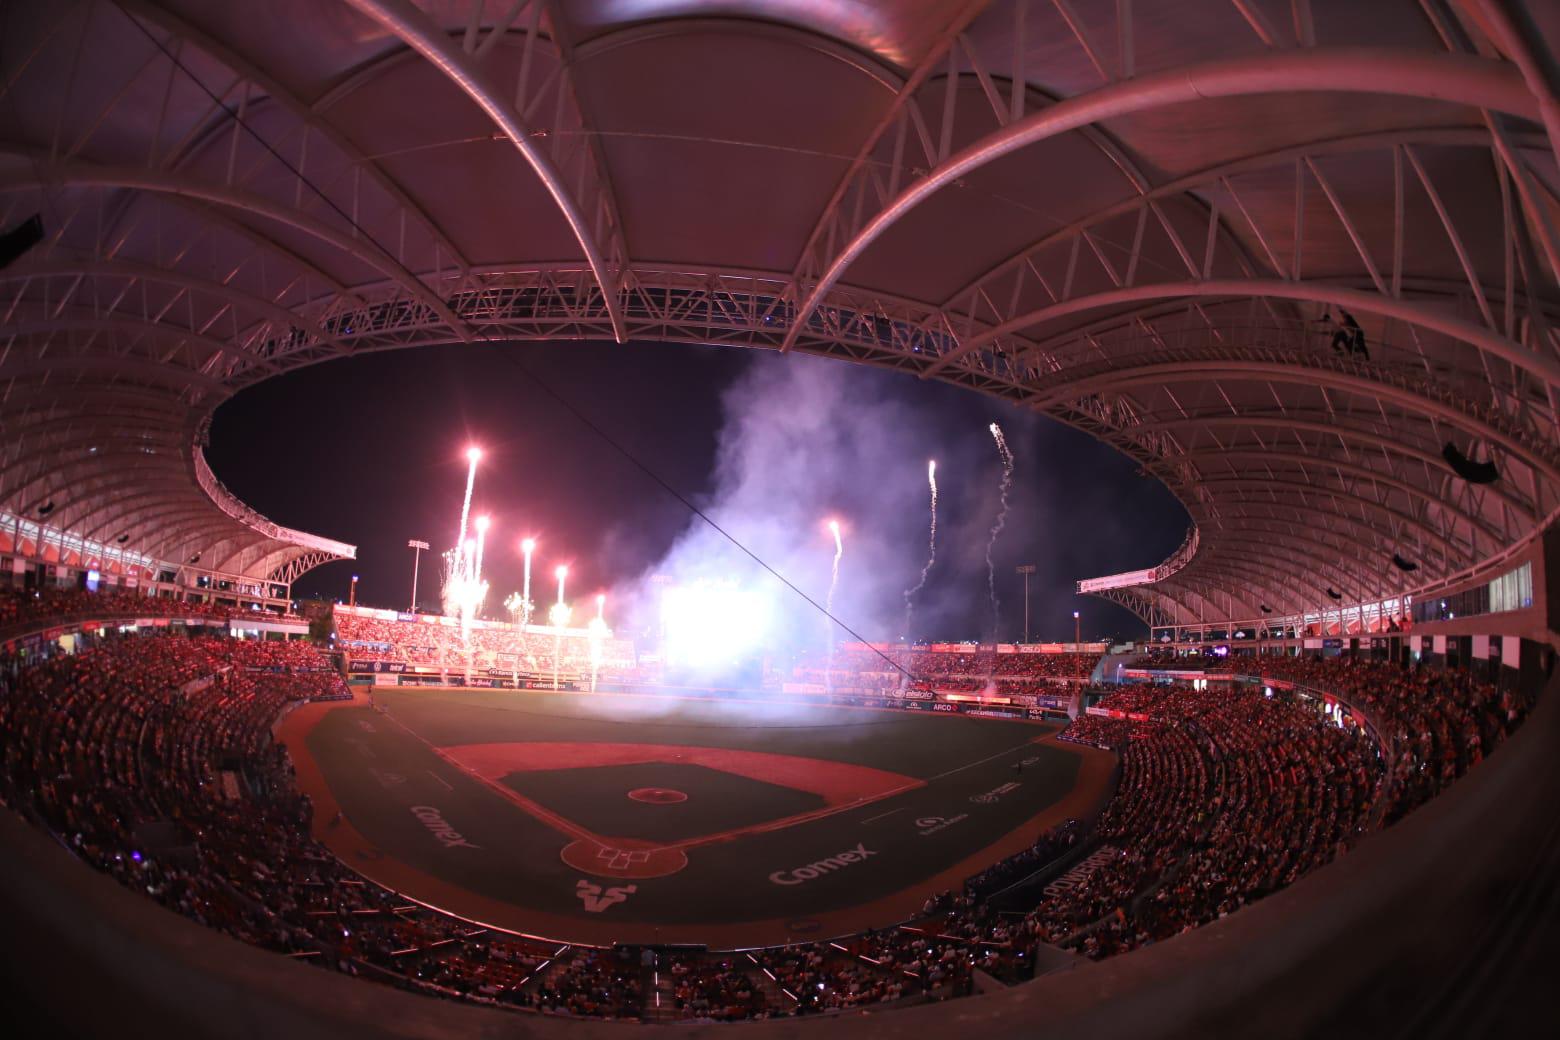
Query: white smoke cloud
point(806, 440)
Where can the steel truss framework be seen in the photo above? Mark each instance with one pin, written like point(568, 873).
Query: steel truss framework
point(211, 224)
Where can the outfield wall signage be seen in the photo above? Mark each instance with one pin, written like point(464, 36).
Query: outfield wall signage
point(357, 664)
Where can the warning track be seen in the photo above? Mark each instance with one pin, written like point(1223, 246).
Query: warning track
point(649, 818)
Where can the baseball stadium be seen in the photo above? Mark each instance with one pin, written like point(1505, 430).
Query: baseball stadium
point(1017, 517)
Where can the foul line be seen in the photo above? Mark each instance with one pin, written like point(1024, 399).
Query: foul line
point(988, 758)
point(879, 816)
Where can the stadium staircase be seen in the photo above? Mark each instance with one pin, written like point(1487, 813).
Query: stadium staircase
point(660, 989)
point(774, 996)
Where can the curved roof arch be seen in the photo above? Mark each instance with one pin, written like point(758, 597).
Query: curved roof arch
point(1138, 218)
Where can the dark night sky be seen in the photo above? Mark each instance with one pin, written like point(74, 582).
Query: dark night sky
point(370, 451)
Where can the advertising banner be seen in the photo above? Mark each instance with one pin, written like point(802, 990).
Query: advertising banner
point(993, 713)
point(360, 665)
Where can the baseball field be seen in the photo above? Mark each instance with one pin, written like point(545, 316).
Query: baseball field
point(647, 818)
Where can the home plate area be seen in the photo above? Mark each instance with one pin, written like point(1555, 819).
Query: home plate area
point(686, 829)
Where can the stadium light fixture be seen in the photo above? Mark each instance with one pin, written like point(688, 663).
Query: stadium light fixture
point(526, 547)
point(1026, 570)
point(417, 546)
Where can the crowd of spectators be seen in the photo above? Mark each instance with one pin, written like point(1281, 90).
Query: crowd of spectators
point(591, 984)
point(1225, 795)
point(824, 977)
point(1050, 846)
point(151, 757)
point(21, 606)
point(1435, 723)
point(949, 671)
point(502, 648)
point(720, 989)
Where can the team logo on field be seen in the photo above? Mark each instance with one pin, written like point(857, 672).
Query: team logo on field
point(932, 824)
point(596, 900)
point(387, 779)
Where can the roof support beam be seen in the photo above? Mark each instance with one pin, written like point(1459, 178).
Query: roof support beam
point(1394, 71)
point(76, 174)
point(418, 31)
point(1544, 367)
point(1453, 556)
point(83, 267)
point(154, 13)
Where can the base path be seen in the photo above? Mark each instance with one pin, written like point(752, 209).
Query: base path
point(652, 819)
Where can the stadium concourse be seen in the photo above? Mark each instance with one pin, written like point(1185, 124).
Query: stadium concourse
point(1297, 260)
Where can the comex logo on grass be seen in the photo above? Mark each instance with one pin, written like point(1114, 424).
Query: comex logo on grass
point(439, 827)
point(802, 875)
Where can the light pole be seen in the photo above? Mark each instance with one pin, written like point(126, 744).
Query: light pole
point(483, 523)
point(514, 604)
point(352, 593)
point(417, 548)
point(1077, 630)
point(1026, 570)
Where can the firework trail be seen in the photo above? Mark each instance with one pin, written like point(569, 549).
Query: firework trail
point(472, 455)
point(996, 528)
point(828, 607)
point(931, 558)
point(460, 579)
point(476, 569)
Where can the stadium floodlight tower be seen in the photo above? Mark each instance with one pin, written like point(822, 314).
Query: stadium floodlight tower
point(515, 605)
point(417, 546)
point(1026, 570)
